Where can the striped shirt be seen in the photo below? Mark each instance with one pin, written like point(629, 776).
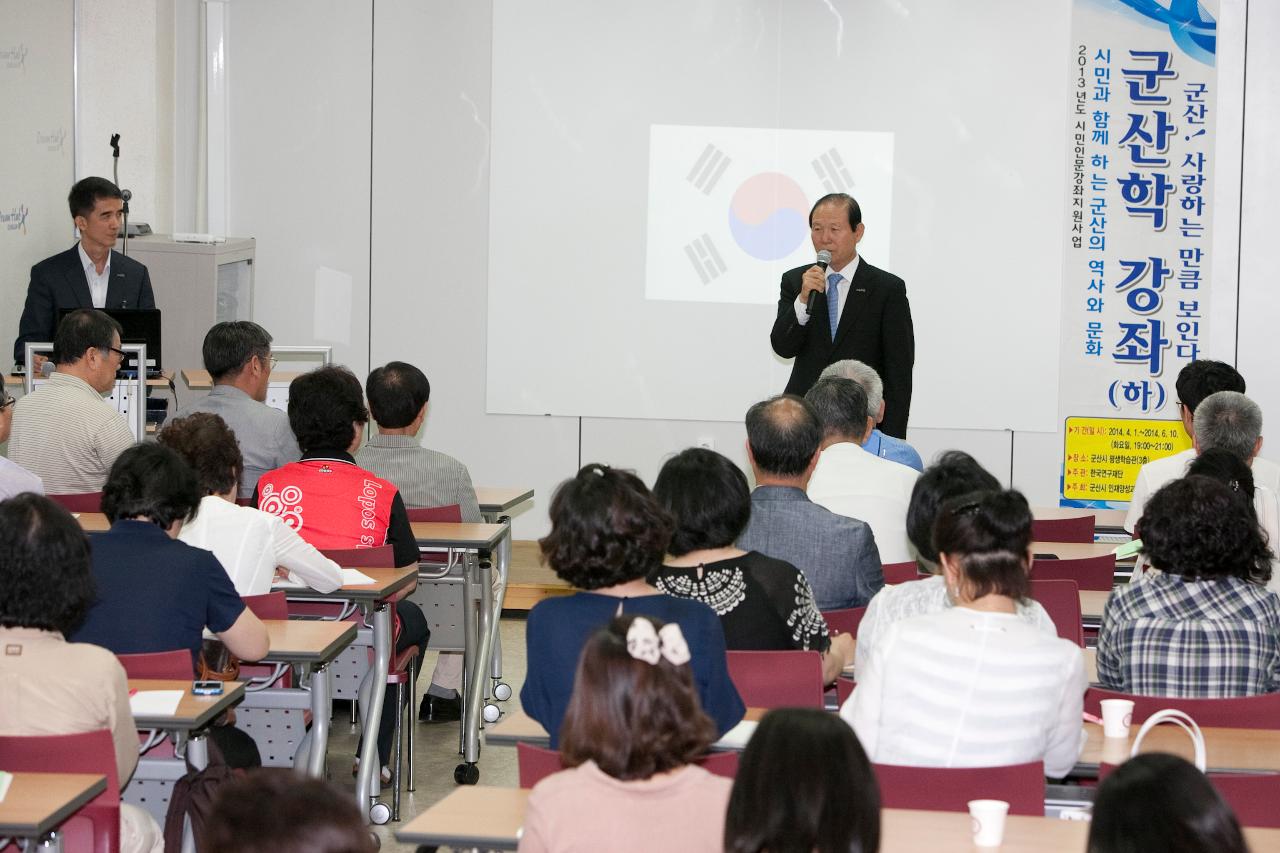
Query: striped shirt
point(963, 688)
point(1166, 636)
point(425, 478)
point(67, 435)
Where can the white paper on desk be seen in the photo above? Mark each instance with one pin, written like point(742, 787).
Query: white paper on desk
point(737, 737)
point(155, 703)
point(6, 779)
point(286, 583)
point(355, 577)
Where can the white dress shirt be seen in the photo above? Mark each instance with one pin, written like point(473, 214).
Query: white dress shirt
point(1159, 472)
point(250, 543)
point(97, 281)
point(846, 277)
point(851, 482)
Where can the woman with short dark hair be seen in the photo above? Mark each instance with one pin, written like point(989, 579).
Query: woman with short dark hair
point(1192, 816)
point(276, 811)
point(631, 733)
point(607, 534)
point(1204, 625)
point(831, 802)
point(1011, 694)
point(762, 603)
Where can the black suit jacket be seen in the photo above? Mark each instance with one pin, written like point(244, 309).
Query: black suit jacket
point(875, 328)
point(59, 282)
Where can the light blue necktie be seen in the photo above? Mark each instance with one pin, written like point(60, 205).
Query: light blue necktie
point(833, 302)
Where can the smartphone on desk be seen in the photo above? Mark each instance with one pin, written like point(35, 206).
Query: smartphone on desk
point(206, 688)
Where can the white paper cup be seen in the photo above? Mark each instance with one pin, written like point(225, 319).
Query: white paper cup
point(988, 821)
point(1117, 716)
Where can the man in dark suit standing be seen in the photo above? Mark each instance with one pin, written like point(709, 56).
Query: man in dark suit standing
point(861, 313)
point(90, 274)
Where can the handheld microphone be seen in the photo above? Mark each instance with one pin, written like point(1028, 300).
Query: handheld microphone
point(824, 258)
point(46, 369)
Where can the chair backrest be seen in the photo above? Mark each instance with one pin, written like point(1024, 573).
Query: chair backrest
point(535, 763)
point(782, 679)
point(272, 605)
point(1061, 600)
point(1089, 572)
point(85, 502)
point(244, 501)
point(452, 513)
point(1078, 529)
point(381, 557)
point(949, 789)
point(900, 572)
point(97, 825)
point(1243, 712)
point(173, 664)
point(1253, 797)
point(844, 621)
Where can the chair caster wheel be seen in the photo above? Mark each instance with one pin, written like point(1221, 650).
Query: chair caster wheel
point(380, 813)
point(492, 713)
point(466, 774)
point(377, 842)
point(502, 691)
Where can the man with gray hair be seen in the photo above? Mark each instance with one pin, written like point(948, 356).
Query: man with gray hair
point(875, 442)
point(1228, 420)
point(852, 482)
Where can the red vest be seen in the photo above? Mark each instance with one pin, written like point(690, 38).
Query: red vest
point(333, 504)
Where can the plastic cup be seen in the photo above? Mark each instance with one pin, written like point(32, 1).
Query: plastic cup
point(988, 818)
point(1117, 716)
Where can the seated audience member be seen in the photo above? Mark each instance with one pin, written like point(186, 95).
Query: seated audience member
point(63, 431)
point(852, 482)
point(877, 443)
point(333, 503)
point(14, 479)
point(248, 542)
point(973, 685)
point(156, 593)
point(831, 802)
point(238, 357)
point(277, 811)
point(1192, 817)
point(607, 534)
point(398, 395)
point(631, 733)
point(955, 473)
point(837, 554)
point(51, 686)
point(1196, 381)
point(1205, 625)
point(762, 603)
point(1228, 469)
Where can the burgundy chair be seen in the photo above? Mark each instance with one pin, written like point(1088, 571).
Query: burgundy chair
point(86, 502)
point(244, 501)
point(777, 679)
point(174, 664)
point(1253, 797)
point(1078, 529)
point(844, 621)
point(901, 572)
point(844, 689)
point(96, 826)
point(381, 557)
point(949, 789)
point(1089, 572)
point(1244, 712)
point(1061, 600)
point(535, 763)
point(272, 605)
point(451, 513)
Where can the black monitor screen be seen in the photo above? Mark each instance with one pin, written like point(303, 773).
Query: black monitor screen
point(139, 326)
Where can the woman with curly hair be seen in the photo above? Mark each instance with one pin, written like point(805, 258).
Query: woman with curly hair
point(631, 733)
point(1204, 625)
point(607, 534)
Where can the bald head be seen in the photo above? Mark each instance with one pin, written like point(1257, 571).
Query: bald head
point(783, 435)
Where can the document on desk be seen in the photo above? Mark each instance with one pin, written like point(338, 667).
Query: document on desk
point(737, 737)
point(350, 577)
point(155, 703)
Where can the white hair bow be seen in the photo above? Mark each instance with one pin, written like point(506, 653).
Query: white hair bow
point(646, 644)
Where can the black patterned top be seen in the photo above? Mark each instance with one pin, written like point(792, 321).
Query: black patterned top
point(763, 603)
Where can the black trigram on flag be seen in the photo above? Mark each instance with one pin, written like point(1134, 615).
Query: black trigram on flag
point(706, 261)
point(832, 172)
point(707, 170)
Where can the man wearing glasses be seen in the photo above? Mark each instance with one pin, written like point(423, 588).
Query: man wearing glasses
point(238, 358)
point(64, 432)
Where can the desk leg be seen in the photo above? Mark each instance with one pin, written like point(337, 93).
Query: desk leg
point(473, 676)
point(198, 758)
point(503, 557)
point(372, 710)
point(466, 773)
point(319, 734)
point(51, 842)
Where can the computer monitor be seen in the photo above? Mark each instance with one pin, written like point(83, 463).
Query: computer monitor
point(138, 326)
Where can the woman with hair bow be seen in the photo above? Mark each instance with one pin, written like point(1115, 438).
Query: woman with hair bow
point(632, 731)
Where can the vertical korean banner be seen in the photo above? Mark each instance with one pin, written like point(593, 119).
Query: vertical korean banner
point(1140, 161)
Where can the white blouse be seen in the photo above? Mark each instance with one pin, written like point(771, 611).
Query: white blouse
point(250, 543)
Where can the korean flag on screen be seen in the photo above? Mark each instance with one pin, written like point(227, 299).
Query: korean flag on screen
point(729, 206)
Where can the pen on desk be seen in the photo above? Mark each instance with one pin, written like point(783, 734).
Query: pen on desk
point(1090, 718)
